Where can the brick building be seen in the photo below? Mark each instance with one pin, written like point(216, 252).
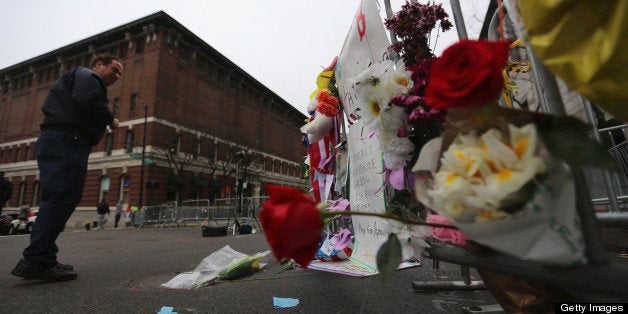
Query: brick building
point(200, 120)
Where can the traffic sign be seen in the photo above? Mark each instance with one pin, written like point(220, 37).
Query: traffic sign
point(149, 161)
point(136, 155)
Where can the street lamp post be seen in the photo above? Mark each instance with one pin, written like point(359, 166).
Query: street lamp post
point(241, 155)
point(146, 104)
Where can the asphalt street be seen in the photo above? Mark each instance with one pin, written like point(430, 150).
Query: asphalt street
point(120, 271)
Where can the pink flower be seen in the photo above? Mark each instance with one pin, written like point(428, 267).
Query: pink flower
point(453, 236)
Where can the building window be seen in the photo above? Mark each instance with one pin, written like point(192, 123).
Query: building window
point(171, 194)
point(123, 50)
point(175, 144)
point(194, 194)
point(22, 196)
point(115, 107)
point(105, 183)
point(36, 194)
point(113, 50)
point(140, 42)
point(184, 54)
point(130, 137)
point(48, 74)
point(133, 104)
point(196, 148)
point(109, 144)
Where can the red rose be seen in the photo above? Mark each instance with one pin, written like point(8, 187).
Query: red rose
point(468, 74)
point(292, 224)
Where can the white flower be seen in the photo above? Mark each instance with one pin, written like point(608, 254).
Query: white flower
point(478, 173)
point(392, 119)
point(399, 80)
point(376, 86)
point(370, 112)
point(397, 152)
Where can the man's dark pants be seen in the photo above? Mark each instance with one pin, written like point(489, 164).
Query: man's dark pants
point(62, 160)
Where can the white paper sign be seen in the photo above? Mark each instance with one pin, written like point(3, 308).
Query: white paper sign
point(366, 43)
point(366, 194)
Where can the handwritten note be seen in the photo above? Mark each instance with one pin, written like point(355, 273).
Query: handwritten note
point(366, 194)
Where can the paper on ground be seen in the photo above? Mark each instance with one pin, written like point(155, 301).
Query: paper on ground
point(351, 268)
point(208, 269)
point(282, 303)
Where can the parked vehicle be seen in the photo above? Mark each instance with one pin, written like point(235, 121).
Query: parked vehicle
point(21, 225)
point(5, 223)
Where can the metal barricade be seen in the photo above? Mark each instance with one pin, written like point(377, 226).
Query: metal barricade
point(614, 196)
point(252, 206)
point(222, 209)
point(163, 215)
point(231, 212)
point(192, 211)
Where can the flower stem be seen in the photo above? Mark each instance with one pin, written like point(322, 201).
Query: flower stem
point(330, 214)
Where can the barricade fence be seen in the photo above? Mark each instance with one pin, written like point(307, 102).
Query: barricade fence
point(614, 192)
point(227, 211)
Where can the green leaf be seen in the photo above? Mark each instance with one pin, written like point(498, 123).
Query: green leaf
point(567, 138)
point(389, 256)
point(402, 203)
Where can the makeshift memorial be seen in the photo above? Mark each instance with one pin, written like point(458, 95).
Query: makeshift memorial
point(388, 97)
point(500, 176)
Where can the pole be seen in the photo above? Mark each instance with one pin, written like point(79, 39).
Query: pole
point(458, 19)
point(389, 14)
point(146, 104)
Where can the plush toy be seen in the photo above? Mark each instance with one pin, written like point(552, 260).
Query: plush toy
point(323, 107)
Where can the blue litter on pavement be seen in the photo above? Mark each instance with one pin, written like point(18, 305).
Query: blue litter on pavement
point(280, 303)
point(166, 310)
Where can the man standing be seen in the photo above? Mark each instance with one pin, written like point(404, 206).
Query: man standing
point(118, 214)
point(103, 214)
point(6, 189)
point(75, 119)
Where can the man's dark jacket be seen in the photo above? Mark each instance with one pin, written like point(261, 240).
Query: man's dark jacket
point(78, 103)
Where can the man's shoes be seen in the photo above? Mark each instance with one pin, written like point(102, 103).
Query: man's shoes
point(28, 270)
point(65, 266)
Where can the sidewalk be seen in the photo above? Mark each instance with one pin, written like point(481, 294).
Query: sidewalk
point(120, 271)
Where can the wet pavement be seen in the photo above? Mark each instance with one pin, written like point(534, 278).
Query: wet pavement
point(120, 271)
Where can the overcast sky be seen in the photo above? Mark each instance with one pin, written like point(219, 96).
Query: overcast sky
point(282, 43)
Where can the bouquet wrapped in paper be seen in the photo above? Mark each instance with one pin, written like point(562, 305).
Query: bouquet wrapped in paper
point(502, 175)
point(503, 189)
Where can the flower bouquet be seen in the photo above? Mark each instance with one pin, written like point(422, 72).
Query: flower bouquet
point(503, 175)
